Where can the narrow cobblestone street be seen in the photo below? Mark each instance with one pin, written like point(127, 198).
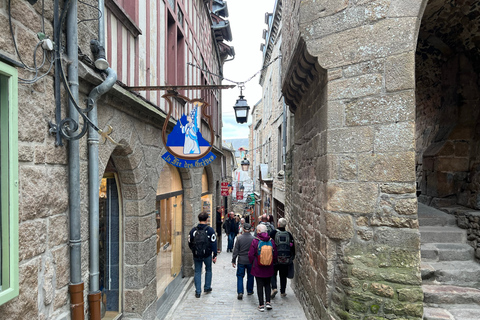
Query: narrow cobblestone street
point(222, 303)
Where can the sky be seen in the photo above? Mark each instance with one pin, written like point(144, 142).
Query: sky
point(247, 21)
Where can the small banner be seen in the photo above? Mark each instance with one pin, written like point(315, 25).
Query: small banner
point(186, 147)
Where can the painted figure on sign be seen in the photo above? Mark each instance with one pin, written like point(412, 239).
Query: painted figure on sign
point(190, 130)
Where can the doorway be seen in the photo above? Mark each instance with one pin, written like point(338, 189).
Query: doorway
point(110, 247)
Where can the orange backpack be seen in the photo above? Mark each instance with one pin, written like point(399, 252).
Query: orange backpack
point(265, 253)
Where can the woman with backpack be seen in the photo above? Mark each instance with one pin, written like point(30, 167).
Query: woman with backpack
point(263, 254)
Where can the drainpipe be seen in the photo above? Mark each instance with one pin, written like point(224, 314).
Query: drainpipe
point(76, 285)
point(94, 295)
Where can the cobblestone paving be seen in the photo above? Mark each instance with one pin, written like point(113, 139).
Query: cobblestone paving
point(222, 302)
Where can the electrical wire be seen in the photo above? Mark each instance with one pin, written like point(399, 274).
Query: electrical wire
point(13, 36)
point(91, 6)
point(241, 84)
point(45, 57)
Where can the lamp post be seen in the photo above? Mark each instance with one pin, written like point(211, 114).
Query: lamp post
point(241, 109)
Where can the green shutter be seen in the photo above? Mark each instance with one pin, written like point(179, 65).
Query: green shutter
point(9, 181)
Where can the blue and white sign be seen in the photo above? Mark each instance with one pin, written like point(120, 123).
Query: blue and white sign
point(186, 147)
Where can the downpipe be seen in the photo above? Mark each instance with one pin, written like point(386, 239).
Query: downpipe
point(76, 284)
point(94, 295)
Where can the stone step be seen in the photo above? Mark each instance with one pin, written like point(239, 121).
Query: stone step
point(459, 273)
point(452, 312)
point(436, 314)
point(447, 252)
point(464, 312)
point(448, 294)
point(429, 216)
point(443, 235)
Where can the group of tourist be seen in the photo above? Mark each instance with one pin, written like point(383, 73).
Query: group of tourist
point(270, 251)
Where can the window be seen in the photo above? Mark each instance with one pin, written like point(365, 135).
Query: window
point(8, 184)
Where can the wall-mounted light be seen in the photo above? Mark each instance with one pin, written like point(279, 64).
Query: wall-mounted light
point(98, 51)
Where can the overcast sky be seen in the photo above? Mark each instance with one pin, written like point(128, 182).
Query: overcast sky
point(247, 21)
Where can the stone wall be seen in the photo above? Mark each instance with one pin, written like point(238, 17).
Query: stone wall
point(349, 78)
point(44, 260)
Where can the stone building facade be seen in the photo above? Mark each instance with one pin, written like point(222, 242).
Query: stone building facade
point(129, 160)
point(348, 75)
point(276, 120)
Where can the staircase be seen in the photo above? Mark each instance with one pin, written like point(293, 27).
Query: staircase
point(451, 276)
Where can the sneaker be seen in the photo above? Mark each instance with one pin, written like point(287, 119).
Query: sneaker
point(207, 290)
point(274, 293)
point(250, 293)
point(240, 296)
point(268, 306)
point(283, 294)
point(197, 295)
point(261, 308)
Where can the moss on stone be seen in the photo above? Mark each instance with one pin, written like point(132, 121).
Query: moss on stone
point(374, 308)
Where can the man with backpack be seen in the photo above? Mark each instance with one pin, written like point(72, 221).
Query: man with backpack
point(263, 254)
point(286, 253)
point(240, 250)
point(203, 243)
point(264, 221)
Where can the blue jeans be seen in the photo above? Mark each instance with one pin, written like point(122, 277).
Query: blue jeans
point(231, 237)
point(240, 274)
point(198, 273)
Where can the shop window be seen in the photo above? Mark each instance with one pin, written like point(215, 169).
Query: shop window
point(169, 207)
point(8, 184)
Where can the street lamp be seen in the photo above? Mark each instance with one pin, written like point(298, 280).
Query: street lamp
point(241, 109)
point(245, 164)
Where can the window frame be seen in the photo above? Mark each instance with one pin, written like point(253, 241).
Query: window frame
point(9, 182)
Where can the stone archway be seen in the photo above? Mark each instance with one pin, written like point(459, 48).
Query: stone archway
point(447, 113)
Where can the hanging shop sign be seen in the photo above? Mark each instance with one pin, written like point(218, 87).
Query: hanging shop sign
point(186, 147)
point(239, 195)
point(224, 189)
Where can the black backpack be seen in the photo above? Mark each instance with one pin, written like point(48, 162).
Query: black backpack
point(282, 240)
point(200, 242)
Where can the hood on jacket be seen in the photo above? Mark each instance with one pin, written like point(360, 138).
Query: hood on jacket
point(263, 236)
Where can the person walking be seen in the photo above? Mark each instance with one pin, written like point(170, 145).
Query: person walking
point(264, 220)
point(219, 222)
point(262, 254)
point(231, 229)
point(241, 226)
point(203, 243)
point(240, 252)
point(286, 253)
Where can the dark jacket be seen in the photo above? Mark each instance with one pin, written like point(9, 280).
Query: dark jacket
point(257, 270)
point(292, 242)
point(230, 226)
point(241, 248)
point(211, 235)
point(219, 221)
